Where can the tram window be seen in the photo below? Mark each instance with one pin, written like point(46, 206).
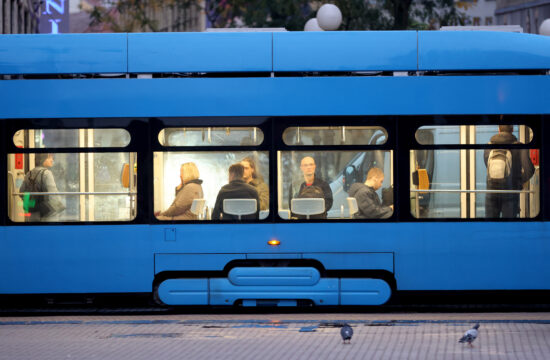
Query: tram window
point(466, 134)
point(456, 184)
point(67, 187)
point(210, 171)
point(211, 136)
point(66, 138)
point(335, 172)
point(335, 135)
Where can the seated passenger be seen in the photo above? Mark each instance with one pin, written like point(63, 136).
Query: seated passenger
point(189, 190)
point(252, 176)
point(316, 183)
point(236, 189)
point(368, 202)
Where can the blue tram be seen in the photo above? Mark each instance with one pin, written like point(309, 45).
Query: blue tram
point(109, 119)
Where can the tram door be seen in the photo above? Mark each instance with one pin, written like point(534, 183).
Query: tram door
point(452, 183)
point(86, 186)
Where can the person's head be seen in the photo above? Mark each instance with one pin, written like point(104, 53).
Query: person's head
point(45, 160)
point(249, 169)
point(375, 178)
point(188, 172)
point(506, 128)
point(308, 166)
point(236, 172)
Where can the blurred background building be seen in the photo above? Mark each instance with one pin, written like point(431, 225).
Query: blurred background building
point(529, 14)
point(18, 16)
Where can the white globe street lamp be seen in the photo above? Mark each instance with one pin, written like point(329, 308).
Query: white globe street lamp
point(312, 25)
point(329, 17)
point(544, 28)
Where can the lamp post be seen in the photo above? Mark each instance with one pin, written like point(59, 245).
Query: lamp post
point(544, 28)
point(329, 18)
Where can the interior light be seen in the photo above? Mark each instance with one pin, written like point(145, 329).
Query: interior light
point(274, 242)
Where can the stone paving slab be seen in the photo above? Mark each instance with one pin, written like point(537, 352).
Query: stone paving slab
point(275, 336)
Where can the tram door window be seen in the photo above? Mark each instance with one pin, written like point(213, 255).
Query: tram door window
point(187, 182)
point(73, 186)
point(454, 183)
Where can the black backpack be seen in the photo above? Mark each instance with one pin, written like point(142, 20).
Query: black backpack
point(33, 183)
point(311, 192)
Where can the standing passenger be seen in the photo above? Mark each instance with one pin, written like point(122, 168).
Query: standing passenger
point(252, 176)
point(506, 170)
point(368, 202)
point(236, 189)
point(189, 190)
point(308, 169)
point(40, 179)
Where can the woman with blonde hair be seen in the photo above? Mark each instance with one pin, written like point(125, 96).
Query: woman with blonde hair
point(189, 190)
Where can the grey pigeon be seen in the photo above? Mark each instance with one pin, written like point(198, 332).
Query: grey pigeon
point(470, 335)
point(347, 332)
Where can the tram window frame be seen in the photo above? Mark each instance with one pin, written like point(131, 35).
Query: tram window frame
point(388, 123)
point(533, 122)
point(264, 124)
point(137, 129)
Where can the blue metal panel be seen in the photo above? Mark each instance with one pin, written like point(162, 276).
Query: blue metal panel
point(184, 292)
point(344, 51)
point(75, 259)
point(63, 53)
point(482, 50)
point(364, 292)
point(199, 52)
point(264, 96)
point(193, 262)
point(343, 261)
point(274, 256)
point(222, 292)
point(270, 276)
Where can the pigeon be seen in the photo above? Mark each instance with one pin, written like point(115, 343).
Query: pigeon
point(347, 332)
point(470, 335)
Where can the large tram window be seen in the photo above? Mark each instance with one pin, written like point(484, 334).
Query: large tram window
point(66, 187)
point(211, 136)
point(64, 138)
point(335, 172)
point(335, 135)
point(209, 169)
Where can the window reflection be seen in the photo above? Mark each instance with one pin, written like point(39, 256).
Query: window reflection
point(211, 136)
point(467, 134)
point(335, 135)
point(66, 138)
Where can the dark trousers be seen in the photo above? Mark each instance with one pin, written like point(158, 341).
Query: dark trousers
point(501, 205)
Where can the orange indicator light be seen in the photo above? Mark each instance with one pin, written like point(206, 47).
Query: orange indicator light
point(274, 242)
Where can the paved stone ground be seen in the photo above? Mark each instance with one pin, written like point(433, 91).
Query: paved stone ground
point(275, 336)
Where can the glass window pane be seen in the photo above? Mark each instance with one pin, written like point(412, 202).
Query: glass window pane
point(335, 135)
point(203, 175)
point(211, 136)
point(66, 138)
point(65, 187)
point(467, 134)
point(337, 177)
point(487, 183)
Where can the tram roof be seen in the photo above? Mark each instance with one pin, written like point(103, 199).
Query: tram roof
point(338, 51)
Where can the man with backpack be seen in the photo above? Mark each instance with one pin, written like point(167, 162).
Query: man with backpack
point(506, 170)
point(313, 186)
point(40, 179)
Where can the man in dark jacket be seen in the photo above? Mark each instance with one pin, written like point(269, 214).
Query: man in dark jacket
point(308, 169)
point(521, 170)
point(236, 189)
point(368, 202)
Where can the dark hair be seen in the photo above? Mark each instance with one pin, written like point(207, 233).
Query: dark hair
point(250, 161)
point(40, 158)
point(506, 128)
point(237, 171)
